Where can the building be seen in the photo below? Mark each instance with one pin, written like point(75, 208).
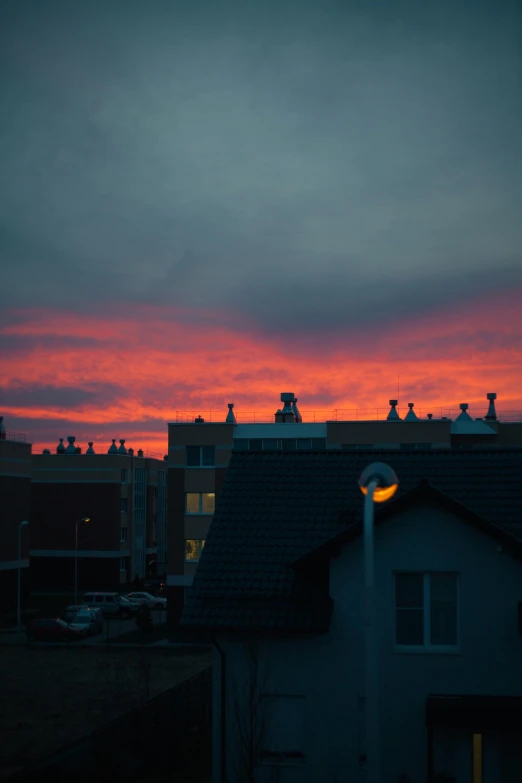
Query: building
point(280, 586)
point(200, 450)
point(15, 508)
point(123, 495)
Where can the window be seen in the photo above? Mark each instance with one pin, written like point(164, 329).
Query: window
point(123, 563)
point(256, 444)
point(285, 736)
point(200, 502)
point(201, 456)
point(123, 535)
point(241, 444)
point(426, 610)
point(269, 444)
point(319, 443)
point(193, 550)
point(123, 505)
point(288, 444)
point(304, 443)
point(124, 475)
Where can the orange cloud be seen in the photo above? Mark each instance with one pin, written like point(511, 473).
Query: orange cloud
point(139, 371)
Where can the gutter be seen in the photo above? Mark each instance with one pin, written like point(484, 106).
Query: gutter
point(223, 733)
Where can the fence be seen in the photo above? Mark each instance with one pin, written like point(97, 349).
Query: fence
point(170, 732)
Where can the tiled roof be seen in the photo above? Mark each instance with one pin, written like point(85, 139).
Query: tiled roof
point(275, 507)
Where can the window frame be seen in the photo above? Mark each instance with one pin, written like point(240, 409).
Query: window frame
point(124, 476)
point(201, 463)
point(124, 561)
point(427, 647)
point(199, 513)
point(124, 505)
point(123, 537)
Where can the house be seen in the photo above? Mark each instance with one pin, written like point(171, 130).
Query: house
point(280, 586)
point(121, 492)
point(200, 448)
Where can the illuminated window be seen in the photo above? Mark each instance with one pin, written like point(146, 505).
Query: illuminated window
point(193, 549)
point(426, 610)
point(200, 456)
point(200, 502)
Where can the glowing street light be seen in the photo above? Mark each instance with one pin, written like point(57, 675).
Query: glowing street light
point(378, 484)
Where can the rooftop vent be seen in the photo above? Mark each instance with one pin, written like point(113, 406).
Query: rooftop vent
point(131, 452)
point(78, 450)
point(393, 415)
point(411, 415)
point(464, 416)
point(113, 449)
point(430, 416)
point(60, 449)
point(46, 451)
point(491, 415)
point(231, 419)
point(122, 449)
point(71, 448)
point(2, 428)
point(286, 413)
point(295, 410)
point(90, 450)
point(199, 420)
point(140, 452)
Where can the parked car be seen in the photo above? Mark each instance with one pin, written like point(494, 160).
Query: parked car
point(88, 620)
point(132, 606)
point(152, 601)
point(52, 630)
point(110, 604)
point(71, 612)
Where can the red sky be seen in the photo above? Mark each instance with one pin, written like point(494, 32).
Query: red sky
point(127, 373)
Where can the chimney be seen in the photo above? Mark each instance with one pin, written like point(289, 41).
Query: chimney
point(131, 452)
point(279, 419)
point(430, 416)
point(78, 450)
point(464, 416)
point(411, 415)
point(46, 451)
point(90, 450)
point(231, 419)
point(71, 449)
point(287, 411)
point(393, 415)
point(122, 449)
point(297, 415)
point(60, 449)
point(199, 420)
point(113, 449)
point(491, 415)
point(140, 452)
point(2, 428)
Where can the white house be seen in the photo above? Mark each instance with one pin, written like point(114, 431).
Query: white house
point(280, 584)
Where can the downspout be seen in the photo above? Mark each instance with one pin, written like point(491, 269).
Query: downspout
point(223, 693)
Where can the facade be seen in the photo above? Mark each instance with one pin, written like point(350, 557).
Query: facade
point(280, 585)
point(123, 495)
point(199, 453)
point(15, 508)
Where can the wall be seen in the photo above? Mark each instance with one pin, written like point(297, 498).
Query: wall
point(328, 669)
point(15, 507)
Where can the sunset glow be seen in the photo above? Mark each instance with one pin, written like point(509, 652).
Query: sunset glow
point(127, 375)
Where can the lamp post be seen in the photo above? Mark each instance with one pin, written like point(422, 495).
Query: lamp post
point(19, 586)
point(378, 483)
point(83, 519)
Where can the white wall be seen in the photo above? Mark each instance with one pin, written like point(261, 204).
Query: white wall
point(328, 669)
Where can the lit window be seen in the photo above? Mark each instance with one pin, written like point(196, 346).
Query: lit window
point(193, 549)
point(123, 505)
point(200, 456)
point(123, 534)
point(200, 502)
point(426, 610)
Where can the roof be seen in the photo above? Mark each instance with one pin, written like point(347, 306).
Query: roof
point(276, 508)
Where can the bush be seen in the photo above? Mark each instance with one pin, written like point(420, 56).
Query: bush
point(144, 619)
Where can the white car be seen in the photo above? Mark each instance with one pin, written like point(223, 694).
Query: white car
point(152, 601)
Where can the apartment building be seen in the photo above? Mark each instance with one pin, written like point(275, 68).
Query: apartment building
point(200, 450)
point(106, 509)
point(15, 510)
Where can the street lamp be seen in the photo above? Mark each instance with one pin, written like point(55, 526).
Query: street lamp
point(19, 591)
point(83, 519)
point(378, 483)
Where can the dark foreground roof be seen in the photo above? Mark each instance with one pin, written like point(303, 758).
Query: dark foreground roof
point(275, 508)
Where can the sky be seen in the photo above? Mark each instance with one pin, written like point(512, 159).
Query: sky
point(206, 202)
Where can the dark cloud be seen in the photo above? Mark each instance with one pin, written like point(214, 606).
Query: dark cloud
point(35, 395)
point(304, 165)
